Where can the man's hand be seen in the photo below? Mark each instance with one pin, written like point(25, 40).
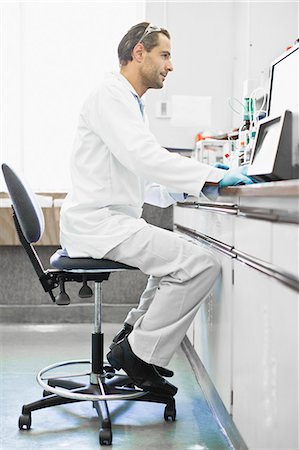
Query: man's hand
point(236, 177)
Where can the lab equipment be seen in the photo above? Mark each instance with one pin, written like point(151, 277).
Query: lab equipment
point(251, 108)
point(212, 151)
point(242, 138)
point(272, 150)
point(245, 130)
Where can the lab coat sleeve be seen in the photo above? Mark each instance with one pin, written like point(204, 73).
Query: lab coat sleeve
point(211, 192)
point(114, 116)
point(158, 195)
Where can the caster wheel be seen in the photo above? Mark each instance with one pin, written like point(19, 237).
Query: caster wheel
point(109, 372)
point(109, 369)
point(169, 413)
point(105, 436)
point(25, 421)
point(109, 375)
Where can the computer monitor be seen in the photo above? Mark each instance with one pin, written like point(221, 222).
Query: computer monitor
point(275, 154)
point(284, 95)
point(271, 153)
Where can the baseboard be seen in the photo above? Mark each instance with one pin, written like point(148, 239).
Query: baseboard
point(220, 412)
point(73, 313)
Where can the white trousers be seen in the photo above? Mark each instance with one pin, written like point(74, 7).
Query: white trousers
point(181, 276)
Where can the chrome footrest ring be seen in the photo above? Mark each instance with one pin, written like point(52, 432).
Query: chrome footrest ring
point(63, 392)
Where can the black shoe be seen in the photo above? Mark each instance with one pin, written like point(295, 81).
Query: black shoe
point(144, 375)
point(125, 331)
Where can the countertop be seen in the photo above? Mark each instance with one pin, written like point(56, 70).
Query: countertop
point(287, 188)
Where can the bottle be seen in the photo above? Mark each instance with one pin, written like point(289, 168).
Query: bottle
point(244, 133)
point(248, 151)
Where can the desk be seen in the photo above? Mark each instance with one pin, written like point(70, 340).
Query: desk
point(50, 203)
point(246, 333)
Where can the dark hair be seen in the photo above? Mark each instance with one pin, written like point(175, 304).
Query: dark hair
point(131, 38)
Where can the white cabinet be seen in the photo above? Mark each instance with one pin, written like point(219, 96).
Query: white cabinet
point(246, 332)
point(187, 217)
point(286, 237)
point(254, 237)
point(213, 332)
point(265, 361)
point(215, 224)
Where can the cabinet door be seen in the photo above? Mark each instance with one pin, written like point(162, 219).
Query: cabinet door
point(254, 237)
point(216, 225)
point(186, 217)
point(285, 252)
point(265, 361)
point(212, 331)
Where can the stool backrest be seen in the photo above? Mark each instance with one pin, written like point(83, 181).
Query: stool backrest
point(26, 208)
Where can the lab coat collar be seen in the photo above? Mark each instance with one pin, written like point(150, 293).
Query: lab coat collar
point(124, 80)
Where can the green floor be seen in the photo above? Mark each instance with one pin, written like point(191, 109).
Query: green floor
point(25, 349)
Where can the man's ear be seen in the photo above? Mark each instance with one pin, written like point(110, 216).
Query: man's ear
point(138, 52)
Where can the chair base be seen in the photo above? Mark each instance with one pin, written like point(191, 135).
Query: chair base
point(100, 388)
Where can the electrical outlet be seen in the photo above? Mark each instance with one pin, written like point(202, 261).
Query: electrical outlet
point(163, 109)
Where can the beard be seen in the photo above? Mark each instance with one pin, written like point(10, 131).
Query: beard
point(151, 79)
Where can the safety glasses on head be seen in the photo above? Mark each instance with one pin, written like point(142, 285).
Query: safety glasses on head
point(149, 29)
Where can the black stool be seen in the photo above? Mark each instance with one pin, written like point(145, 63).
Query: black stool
point(103, 383)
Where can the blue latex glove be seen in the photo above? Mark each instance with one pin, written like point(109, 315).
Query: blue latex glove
point(236, 177)
point(244, 170)
point(221, 166)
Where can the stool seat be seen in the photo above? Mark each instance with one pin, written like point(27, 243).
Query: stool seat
point(61, 260)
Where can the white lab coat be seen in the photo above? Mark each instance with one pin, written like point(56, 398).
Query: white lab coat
point(114, 155)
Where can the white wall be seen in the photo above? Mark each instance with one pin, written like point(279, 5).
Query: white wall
point(53, 54)
point(202, 36)
point(11, 138)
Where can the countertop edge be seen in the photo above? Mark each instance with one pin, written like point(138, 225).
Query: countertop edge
point(286, 188)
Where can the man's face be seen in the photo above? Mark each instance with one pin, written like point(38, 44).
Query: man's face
point(156, 64)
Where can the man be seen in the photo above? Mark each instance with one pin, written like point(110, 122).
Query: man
point(116, 166)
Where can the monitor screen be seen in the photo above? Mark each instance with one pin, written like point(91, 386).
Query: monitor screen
point(284, 83)
point(284, 95)
point(267, 140)
point(271, 152)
